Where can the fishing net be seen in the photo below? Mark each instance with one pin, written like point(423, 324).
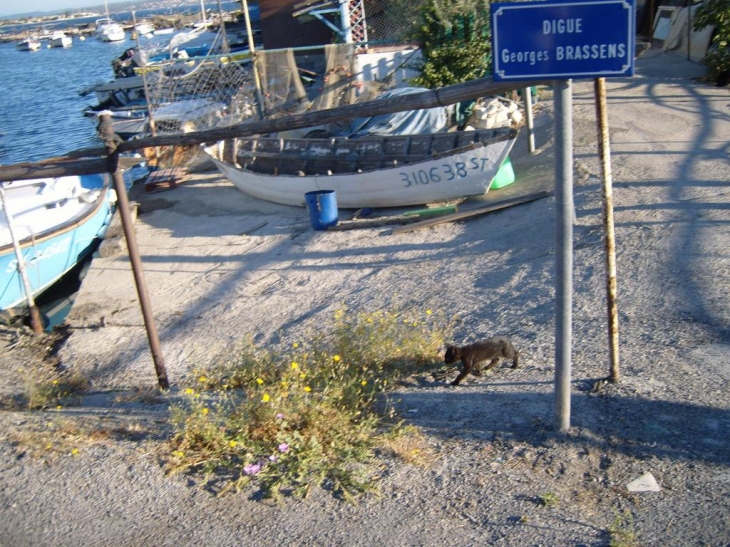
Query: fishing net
point(188, 94)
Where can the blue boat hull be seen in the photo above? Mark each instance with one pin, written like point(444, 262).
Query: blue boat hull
point(48, 256)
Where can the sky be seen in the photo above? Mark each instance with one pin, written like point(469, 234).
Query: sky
point(14, 7)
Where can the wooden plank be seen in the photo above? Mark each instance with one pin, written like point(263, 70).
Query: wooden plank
point(405, 218)
point(496, 206)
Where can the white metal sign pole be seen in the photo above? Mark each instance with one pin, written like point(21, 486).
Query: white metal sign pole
point(562, 97)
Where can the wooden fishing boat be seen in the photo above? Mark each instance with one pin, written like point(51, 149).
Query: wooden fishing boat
point(55, 223)
point(372, 171)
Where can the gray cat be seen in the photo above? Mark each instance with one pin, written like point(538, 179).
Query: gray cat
point(472, 355)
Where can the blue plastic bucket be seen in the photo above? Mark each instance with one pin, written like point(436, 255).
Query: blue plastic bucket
point(322, 206)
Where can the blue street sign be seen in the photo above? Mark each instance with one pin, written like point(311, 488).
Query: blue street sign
point(561, 40)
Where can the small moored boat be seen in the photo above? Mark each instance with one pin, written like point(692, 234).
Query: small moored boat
point(55, 222)
point(108, 30)
point(29, 44)
point(371, 171)
point(60, 39)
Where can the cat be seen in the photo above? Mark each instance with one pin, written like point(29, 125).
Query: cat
point(472, 355)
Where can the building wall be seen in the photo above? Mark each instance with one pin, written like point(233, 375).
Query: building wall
point(280, 29)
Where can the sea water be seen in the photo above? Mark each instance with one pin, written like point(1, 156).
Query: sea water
point(40, 106)
point(41, 116)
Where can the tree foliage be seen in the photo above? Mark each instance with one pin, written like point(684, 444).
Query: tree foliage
point(454, 38)
point(717, 14)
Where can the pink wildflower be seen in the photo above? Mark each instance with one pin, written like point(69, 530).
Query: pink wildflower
point(252, 469)
point(283, 448)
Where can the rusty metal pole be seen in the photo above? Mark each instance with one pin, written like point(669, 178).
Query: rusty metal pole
point(604, 151)
point(111, 141)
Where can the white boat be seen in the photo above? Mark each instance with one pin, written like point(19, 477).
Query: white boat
point(372, 171)
point(55, 223)
point(29, 44)
point(144, 28)
point(108, 30)
point(60, 39)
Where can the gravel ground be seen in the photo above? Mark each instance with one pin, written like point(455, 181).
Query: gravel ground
point(501, 472)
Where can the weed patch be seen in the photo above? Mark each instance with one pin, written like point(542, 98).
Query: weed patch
point(310, 414)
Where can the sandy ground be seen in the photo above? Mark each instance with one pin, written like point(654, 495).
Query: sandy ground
point(220, 265)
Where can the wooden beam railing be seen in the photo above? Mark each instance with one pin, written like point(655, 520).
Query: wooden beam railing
point(78, 163)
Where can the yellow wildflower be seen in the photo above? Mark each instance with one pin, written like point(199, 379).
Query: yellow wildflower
point(202, 379)
point(204, 410)
point(233, 444)
point(178, 454)
point(428, 312)
point(266, 398)
point(295, 345)
point(364, 382)
point(189, 391)
point(294, 365)
point(336, 358)
point(307, 389)
point(75, 451)
point(259, 381)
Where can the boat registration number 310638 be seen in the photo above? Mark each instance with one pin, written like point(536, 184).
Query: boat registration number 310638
point(444, 172)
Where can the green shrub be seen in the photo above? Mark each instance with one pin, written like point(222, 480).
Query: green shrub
point(454, 39)
point(717, 14)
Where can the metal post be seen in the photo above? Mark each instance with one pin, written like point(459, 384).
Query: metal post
point(529, 121)
point(564, 249)
point(345, 21)
point(150, 117)
point(202, 13)
point(604, 150)
point(110, 141)
point(35, 317)
point(252, 50)
point(225, 47)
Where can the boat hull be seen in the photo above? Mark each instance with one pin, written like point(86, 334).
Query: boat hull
point(51, 252)
point(108, 30)
point(445, 176)
point(61, 41)
point(28, 45)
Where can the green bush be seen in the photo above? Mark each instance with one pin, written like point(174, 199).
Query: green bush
point(717, 14)
point(455, 42)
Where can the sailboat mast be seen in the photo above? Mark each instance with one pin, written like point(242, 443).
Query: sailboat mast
point(202, 12)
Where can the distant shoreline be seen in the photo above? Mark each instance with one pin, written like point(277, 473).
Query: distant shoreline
point(83, 23)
